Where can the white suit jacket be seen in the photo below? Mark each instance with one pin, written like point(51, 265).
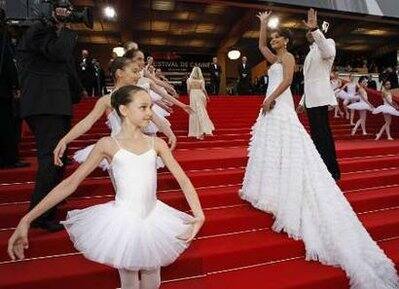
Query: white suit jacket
point(316, 71)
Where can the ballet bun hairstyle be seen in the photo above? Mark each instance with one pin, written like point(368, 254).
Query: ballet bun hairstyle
point(124, 96)
point(118, 63)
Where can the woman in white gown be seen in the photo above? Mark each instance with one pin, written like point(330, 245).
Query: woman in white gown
point(285, 176)
point(199, 123)
point(389, 108)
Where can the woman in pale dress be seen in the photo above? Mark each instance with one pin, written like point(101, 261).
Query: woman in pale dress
point(388, 109)
point(199, 122)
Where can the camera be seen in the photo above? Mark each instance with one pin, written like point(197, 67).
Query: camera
point(25, 12)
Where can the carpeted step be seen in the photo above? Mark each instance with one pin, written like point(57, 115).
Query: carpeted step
point(206, 255)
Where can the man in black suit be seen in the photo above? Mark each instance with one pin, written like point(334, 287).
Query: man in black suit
point(9, 157)
point(244, 77)
point(216, 72)
point(87, 73)
point(49, 86)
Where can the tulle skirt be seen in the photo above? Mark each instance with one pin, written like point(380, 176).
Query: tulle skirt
point(360, 105)
point(112, 234)
point(387, 109)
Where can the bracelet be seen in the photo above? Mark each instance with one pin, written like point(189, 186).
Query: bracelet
point(314, 28)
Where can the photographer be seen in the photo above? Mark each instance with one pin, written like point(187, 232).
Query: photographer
point(8, 90)
point(49, 86)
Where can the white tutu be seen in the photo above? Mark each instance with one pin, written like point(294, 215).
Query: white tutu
point(136, 231)
point(112, 234)
point(342, 94)
point(81, 156)
point(360, 105)
point(386, 108)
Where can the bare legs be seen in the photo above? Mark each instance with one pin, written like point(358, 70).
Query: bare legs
point(129, 279)
point(149, 279)
point(361, 122)
point(386, 127)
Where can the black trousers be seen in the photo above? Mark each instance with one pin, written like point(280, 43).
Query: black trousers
point(48, 130)
point(215, 86)
point(8, 135)
point(323, 139)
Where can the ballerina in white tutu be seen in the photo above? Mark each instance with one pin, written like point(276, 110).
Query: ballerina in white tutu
point(351, 95)
point(388, 109)
point(336, 84)
point(125, 72)
point(135, 232)
point(286, 176)
point(199, 123)
point(363, 106)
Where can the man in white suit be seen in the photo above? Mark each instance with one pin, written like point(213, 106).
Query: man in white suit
point(318, 94)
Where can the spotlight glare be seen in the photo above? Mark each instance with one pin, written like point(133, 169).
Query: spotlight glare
point(273, 23)
point(120, 51)
point(234, 54)
point(109, 12)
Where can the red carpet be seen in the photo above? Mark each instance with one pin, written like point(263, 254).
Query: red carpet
point(236, 248)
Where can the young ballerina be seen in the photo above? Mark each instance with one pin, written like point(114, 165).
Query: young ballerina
point(336, 83)
point(388, 109)
point(135, 232)
point(125, 72)
point(199, 123)
point(349, 96)
point(362, 106)
point(156, 89)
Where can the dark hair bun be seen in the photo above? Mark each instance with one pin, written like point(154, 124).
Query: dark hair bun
point(118, 63)
point(123, 96)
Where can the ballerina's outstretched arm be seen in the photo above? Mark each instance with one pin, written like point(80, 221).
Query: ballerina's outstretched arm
point(173, 100)
point(95, 114)
point(18, 242)
point(185, 184)
point(81, 127)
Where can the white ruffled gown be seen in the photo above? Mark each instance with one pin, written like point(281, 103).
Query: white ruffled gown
point(386, 107)
point(286, 176)
point(135, 231)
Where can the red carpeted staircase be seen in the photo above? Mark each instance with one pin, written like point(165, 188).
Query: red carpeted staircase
point(236, 248)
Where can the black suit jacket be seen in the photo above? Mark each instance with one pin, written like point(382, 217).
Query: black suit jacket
point(47, 72)
point(8, 70)
point(244, 74)
point(215, 72)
